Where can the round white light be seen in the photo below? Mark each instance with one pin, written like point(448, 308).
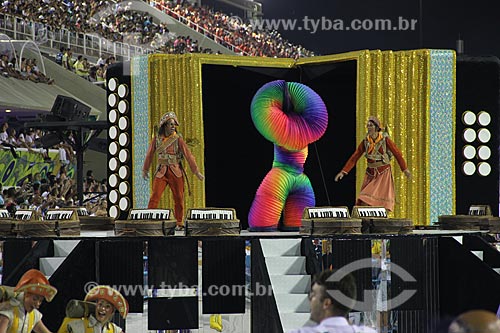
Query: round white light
point(113, 132)
point(123, 123)
point(113, 196)
point(468, 168)
point(123, 172)
point(468, 118)
point(113, 116)
point(469, 152)
point(124, 203)
point(123, 106)
point(112, 83)
point(123, 156)
point(469, 135)
point(113, 180)
point(122, 90)
point(112, 100)
point(484, 152)
point(484, 169)
point(483, 118)
point(113, 164)
point(123, 139)
point(123, 188)
point(484, 135)
point(113, 148)
point(113, 212)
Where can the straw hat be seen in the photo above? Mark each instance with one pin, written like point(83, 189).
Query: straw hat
point(111, 295)
point(35, 282)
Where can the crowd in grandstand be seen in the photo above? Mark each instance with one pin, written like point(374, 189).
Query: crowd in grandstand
point(232, 31)
point(30, 139)
point(43, 191)
point(27, 70)
point(115, 22)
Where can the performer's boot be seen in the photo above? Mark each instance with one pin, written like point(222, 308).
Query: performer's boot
point(216, 322)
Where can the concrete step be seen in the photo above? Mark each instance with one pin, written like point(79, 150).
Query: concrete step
point(293, 320)
point(49, 265)
point(64, 247)
point(280, 247)
point(291, 284)
point(478, 254)
point(286, 265)
point(292, 303)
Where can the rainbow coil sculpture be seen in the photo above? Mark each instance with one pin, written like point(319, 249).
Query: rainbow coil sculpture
point(290, 115)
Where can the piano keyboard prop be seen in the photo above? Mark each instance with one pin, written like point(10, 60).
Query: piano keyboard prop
point(55, 223)
point(212, 222)
point(22, 218)
point(4, 214)
point(7, 224)
point(94, 223)
point(479, 218)
point(323, 221)
point(376, 221)
point(146, 222)
point(26, 215)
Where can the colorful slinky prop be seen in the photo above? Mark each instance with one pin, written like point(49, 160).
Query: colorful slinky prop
point(291, 115)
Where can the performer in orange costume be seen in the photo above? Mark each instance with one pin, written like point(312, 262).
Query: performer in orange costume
point(20, 314)
point(171, 149)
point(378, 185)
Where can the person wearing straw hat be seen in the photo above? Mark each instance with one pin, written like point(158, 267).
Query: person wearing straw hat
point(21, 314)
point(378, 185)
point(171, 149)
point(107, 301)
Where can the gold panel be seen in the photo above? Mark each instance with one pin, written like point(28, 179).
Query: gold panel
point(394, 86)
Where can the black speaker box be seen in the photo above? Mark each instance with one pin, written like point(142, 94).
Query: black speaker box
point(70, 109)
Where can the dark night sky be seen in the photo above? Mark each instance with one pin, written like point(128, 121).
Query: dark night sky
point(439, 24)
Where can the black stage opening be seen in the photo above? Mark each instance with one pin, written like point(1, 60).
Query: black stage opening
point(237, 157)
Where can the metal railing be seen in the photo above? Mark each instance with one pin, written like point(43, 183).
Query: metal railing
point(19, 28)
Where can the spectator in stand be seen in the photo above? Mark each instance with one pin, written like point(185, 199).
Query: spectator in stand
point(68, 60)
point(100, 74)
point(92, 74)
point(3, 132)
point(100, 61)
point(4, 65)
point(79, 67)
point(60, 55)
point(11, 138)
point(29, 138)
point(40, 75)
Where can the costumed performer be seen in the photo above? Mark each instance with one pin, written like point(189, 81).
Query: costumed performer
point(20, 313)
point(171, 149)
point(107, 301)
point(378, 185)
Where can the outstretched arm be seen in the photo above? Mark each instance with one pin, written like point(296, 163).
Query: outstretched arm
point(351, 162)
